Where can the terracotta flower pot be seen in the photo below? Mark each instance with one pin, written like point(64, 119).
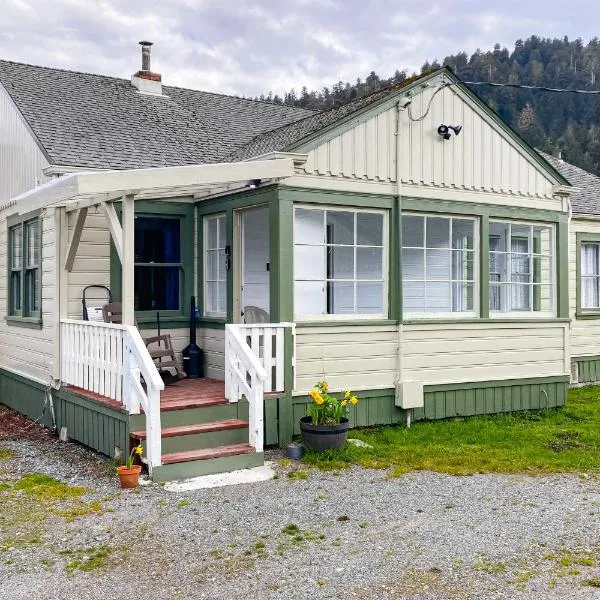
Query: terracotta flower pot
point(129, 478)
point(324, 437)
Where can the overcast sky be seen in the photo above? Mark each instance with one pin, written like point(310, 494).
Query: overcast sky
point(249, 47)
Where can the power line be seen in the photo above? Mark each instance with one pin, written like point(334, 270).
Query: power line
point(532, 87)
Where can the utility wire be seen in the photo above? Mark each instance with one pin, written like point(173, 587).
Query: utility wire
point(532, 87)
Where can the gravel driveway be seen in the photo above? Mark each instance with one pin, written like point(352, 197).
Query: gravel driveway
point(349, 534)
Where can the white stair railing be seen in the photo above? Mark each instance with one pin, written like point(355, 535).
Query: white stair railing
point(267, 343)
point(245, 376)
point(110, 360)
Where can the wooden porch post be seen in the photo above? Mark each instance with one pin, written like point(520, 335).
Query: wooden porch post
point(127, 267)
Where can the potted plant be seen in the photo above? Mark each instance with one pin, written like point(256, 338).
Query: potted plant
point(129, 474)
point(327, 425)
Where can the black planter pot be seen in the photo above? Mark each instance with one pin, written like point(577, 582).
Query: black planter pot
point(324, 437)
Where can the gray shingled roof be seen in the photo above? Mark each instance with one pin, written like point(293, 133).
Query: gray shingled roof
point(284, 137)
point(586, 201)
point(103, 122)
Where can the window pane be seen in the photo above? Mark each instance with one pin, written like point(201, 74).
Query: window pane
point(413, 264)
point(340, 227)
point(520, 237)
point(340, 298)
point(369, 297)
point(437, 264)
point(542, 240)
point(437, 232)
point(589, 292)
point(16, 247)
point(309, 226)
point(498, 236)
point(462, 297)
point(542, 298)
point(498, 266)
point(31, 291)
point(542, 269)
point(463, 233)
point(463, 266)
point(222, 234)
point(309, 262)
point(32, 243)
point(437, 295)
point(519, 296)
point(369, 263)
point(15, 286)
point(413, 296)
point(221, 306)
point(341, 263)
point(369, 229)
point(212, 232)
point(212, 298)
point(157, 288)
point(309, 298)
point(413, 232)
point(589, 259)
point(212, 264)
point(157, 240)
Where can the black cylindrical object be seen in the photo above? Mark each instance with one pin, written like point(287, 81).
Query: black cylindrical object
point(193, 356)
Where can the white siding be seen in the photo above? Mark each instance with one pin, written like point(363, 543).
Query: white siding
point(23, 350)
point(482, 158)
point(21, 160)
point(585, 333)
point(363, 357)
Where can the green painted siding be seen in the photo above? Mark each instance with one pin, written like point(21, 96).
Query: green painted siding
point(90, 423)
point(588, 369)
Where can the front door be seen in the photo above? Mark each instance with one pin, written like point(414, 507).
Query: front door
point(254, 276)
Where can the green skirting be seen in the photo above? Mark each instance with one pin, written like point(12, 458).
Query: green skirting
point(588, 369)
point(90, 423)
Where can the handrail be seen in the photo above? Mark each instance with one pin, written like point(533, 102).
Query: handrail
point(144, 360)
point(248, 357)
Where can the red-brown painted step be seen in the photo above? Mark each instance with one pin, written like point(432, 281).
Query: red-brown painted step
point(206, 453)
point(198, 428)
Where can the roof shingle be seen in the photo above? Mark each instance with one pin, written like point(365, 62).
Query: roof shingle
point(102, 122)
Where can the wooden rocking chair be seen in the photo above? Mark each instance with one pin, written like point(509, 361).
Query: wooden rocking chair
point(160, 347)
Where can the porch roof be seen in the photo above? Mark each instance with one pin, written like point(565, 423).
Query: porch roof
point(83, 189)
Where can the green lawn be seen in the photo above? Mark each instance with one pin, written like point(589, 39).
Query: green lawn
point(558, 440)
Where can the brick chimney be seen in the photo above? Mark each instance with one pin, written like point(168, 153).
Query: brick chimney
point(145, 80)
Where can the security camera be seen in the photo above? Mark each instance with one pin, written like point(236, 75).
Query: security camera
point(444, 130)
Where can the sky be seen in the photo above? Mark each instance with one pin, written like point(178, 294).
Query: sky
point(249, 47)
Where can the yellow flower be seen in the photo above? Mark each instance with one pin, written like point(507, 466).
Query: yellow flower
point(319, 399)
point(347, 394)
point(324, 386)
point(354, 400)
point(313, 394)
point(139, 450)
point(344, 402)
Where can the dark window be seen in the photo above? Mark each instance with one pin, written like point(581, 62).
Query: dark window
point(157, 263)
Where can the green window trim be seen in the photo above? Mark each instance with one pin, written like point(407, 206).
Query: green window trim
point(24, 315)
point(580, 312)
point(169, 319)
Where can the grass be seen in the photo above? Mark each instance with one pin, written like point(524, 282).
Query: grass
point(6, 453)
point(566, 439)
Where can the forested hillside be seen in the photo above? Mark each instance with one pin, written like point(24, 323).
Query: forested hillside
point(553, 122)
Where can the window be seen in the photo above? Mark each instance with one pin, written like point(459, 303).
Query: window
point(24, 240)
point(438, 265)
point(339, 262)
point(215, 266)
point(521, 267)
point(158, 264)
point(590, 275)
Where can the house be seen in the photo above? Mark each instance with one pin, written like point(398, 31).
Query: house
point(409, 246)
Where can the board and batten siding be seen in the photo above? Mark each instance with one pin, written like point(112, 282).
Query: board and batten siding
point(22, 163)
point(366, 357)
point(482, 158)
point(23, 350)
point(585, 333)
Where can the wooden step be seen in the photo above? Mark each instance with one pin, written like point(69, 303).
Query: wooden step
point(194, 429)
point(191, 403)
point(206, 453)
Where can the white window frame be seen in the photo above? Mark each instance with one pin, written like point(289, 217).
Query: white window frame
point(583, 277)
point(221, 245)
point(467, 314)
point(384, 264)
point(529, 314)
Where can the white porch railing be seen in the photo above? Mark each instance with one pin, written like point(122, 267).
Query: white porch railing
point(110, 359)
point(267, 343)
point(255, 364)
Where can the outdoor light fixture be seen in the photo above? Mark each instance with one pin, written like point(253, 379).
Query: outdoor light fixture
point(254, 183)
point(444, 130)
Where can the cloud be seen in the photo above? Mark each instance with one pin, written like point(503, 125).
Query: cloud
point(250, 47)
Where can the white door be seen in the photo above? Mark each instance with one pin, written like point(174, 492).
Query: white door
point(255, 275)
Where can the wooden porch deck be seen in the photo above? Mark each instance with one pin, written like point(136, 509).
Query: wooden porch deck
point(185, 393)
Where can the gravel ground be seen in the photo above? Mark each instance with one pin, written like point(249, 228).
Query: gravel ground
point(351, 534)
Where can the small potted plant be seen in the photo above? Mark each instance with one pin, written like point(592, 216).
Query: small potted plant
point(327, 425)
point(129, 474)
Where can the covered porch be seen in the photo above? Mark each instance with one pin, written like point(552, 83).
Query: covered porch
point(191, 420)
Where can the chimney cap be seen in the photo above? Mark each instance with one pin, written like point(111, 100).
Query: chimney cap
point(145, 43)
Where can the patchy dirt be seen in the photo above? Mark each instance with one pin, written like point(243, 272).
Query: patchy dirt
point(15, 426)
